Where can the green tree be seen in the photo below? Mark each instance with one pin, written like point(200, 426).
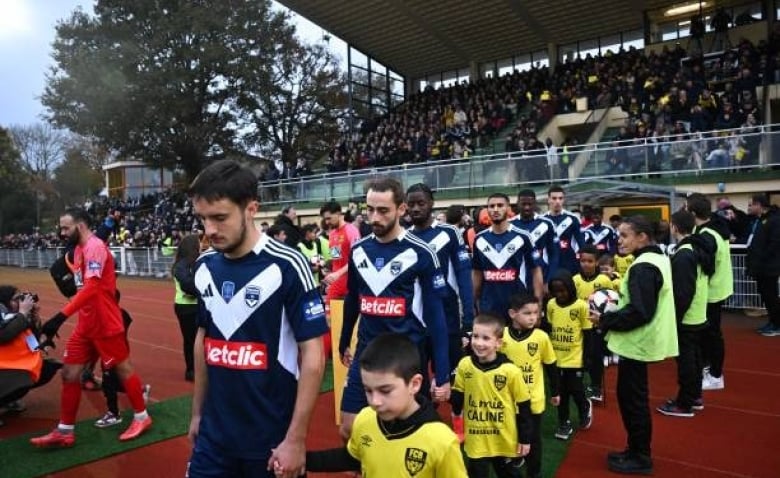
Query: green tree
point(295, 109)
point(78, 177)
point(14, 184)
point(168, 81)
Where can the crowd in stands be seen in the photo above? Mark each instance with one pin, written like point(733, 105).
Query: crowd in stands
point(666, 96)
point(155, 220)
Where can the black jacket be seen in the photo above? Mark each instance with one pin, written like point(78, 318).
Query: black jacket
point(763, 252)
point(292, 232)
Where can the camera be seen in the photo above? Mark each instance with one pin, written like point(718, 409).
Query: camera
point(24, 295)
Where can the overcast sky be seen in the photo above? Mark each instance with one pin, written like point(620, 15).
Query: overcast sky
point(26, 35)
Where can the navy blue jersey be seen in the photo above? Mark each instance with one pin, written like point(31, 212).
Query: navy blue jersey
point(254, 310)
point(447, 242)
point(546, 250)
point(396, 287)
point(570, 240)
point(603, 237)
point(506, 262)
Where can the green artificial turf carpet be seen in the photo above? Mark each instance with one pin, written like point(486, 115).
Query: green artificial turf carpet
point(19, 459)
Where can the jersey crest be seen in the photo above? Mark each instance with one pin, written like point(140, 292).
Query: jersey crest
point(499, 381)
point(533, 347)
point(379, 278)
point(229, 315)
point(499, 255)
point(415, 460)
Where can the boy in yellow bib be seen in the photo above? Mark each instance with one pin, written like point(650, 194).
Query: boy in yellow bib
point(490, 392)
point(530, 348)
point(397, 435)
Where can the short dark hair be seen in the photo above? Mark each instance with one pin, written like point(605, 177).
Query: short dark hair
point(332, 207)
point(520, 299)
point(386, 183)
point(590, 249)
point(391, 353)
point(494, 321)
point(309, 228)
point(420, 188)
point(683, 221)
point(498, 195)
point(615, 217)
point(79, 215)
point(526, 193)
point(700, 205)
point(607, 259)
point(274, 230)
point(555, 189)
point(454, 214)
point(760, 199)
point(225, 179)
point(640, 225)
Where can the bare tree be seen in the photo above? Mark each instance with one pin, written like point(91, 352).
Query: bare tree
point(41, 148)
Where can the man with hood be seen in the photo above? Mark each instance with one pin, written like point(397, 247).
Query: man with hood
point(286, 222)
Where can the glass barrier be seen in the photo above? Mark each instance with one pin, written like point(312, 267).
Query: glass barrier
point(729, 151)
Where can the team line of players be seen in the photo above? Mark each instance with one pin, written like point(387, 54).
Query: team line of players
point(415, 288)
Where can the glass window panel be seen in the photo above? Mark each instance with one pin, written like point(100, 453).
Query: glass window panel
point(638, 44)
point(522, 58)
point(377, 67)
point(359, 75)
point(397, 86)
point(523, 66)
point(541, 63)
point(464, 78)
point(379, 82)
point(358, 58)
point(505, 66)
point(359, 92)
point(610, 43)
point(568, 52)
point(668, 31)
point(589, 46)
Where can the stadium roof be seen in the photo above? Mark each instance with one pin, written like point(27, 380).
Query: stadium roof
point(417, 37)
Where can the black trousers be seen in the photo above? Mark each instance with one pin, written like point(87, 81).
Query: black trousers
point(767, 289)
point(632, 395)
point(596, 360)
point(571, 387)
point(712, 345)
point(533, 461)
point(502, 467)
point(111, 387)
point(689, 365)
point(187, 314)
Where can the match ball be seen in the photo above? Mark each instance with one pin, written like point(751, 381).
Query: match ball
point(604, 300)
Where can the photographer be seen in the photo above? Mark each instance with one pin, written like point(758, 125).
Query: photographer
point(22, 364)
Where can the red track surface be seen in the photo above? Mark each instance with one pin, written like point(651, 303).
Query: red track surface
point(736, 435)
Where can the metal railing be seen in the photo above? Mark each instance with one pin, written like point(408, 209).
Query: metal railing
point(152, 263)
point(701, 154)
point(130, 261)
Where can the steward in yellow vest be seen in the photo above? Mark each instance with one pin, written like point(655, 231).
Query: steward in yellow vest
point(642, 330)
point(693, 263)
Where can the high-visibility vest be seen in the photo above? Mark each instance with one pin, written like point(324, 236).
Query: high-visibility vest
point(16, 355)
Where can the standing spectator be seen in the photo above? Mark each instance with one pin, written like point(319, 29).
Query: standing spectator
point(99, 332)
point(275, 321)
point(186, 300)
point(552, 160)
point(286, 222)
point(642, 331)
point(763, 258)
